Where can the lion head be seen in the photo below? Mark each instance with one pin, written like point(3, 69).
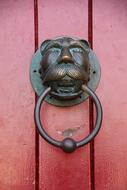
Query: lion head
point(65, 66)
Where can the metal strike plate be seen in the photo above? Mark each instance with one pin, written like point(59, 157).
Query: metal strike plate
point(37, 80)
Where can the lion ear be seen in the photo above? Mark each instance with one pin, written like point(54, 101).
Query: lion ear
point(43, 45)
point(86, 45)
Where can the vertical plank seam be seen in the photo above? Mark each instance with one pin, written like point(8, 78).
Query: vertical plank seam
point(91, 108)
point(36, 40)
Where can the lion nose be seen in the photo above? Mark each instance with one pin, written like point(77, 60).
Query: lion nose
point(65, 56)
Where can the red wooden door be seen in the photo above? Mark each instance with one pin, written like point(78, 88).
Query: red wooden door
point(26, 160)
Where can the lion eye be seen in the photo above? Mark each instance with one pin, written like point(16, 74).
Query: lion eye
point(56, 50)
point(76, 50)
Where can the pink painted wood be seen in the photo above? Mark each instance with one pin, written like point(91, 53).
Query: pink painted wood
point(110, 43)
point(16, 96)
point(59, 170)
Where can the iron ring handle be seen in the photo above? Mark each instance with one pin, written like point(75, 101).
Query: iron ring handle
point(69, 144)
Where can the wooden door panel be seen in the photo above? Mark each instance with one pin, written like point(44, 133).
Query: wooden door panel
point(55, 169)
point(16, 96)
point(59, 170)
point(110, 43)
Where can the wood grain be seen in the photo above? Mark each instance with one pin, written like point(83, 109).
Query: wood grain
point(59, 170)
point(110, 44)
point(16, 96)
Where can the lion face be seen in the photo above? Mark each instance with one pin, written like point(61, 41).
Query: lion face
point(65, 66)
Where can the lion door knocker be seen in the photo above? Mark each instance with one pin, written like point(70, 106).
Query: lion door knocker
point(65, 72)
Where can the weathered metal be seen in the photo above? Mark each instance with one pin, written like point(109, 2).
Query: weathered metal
point(64, 73)
point(64, 64)
point(68, 144)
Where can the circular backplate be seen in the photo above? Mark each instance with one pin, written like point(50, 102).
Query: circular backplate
point(38, 86)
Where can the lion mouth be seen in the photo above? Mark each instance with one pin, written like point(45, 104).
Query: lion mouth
point(65, 88)
point(66, 83)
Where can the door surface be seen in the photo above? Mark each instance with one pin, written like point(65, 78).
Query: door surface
point(27, 162)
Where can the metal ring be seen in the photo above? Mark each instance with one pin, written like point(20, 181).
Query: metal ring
point(69, 144)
